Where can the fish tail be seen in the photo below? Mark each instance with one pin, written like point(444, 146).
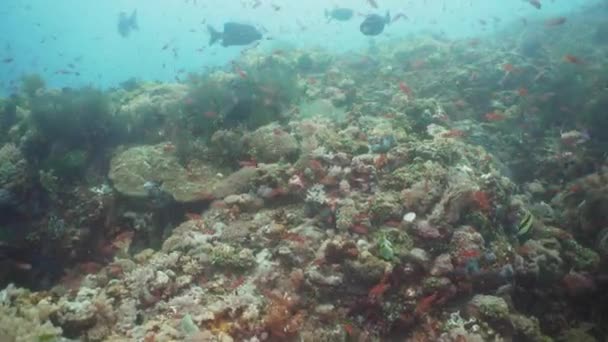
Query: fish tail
point(215, 35)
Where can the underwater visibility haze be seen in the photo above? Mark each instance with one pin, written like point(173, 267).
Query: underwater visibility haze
point(273, 170)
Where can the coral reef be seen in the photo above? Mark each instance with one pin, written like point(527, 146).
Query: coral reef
point(307, 196)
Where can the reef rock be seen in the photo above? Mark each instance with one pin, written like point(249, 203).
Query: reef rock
point(12, 167)
point(131, 169)
point(269, 144)
point(163, 99)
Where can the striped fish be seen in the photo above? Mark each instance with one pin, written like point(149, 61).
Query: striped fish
point(525, 225)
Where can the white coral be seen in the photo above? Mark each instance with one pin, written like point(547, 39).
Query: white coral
point(316, 194)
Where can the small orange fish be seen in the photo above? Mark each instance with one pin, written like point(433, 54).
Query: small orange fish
point(239, 71)
point(417, 64)
point(210, 114)
point(193, 216)
point(454, 133)
point(248, 163)
point(522, 92)
point(575, 188)
point(508, 67)
point(405, 89)
point(494, 116)
point(470, 253)
point(555, 21)
point(359, 229)
point(168, 147)
point(573, 60)
point(295, 237)
point(276, 192)
point(377, 291)
point(237, 282)
point(381, 161)
point(348, 328)
point(424, 305)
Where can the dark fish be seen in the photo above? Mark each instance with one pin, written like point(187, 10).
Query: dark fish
point(158, 197)
point(127, 23)
point(374, 24)
point(235, 34)
point(340, 14)
point(535, 3)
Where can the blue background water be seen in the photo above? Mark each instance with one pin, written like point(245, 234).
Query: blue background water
point(44, 36)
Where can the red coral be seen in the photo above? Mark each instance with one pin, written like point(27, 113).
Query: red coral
point(482, 200)
point(282, 319)
point(424, 305)
point(377, 291)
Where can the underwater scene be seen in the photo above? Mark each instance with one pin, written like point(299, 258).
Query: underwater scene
point(276, 170)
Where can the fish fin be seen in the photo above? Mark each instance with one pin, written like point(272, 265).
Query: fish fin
point(133, 20)
point(215, 35)
point(387, 17)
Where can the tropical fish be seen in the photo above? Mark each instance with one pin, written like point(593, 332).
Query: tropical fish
point(573, 59)
point(555, 21)
point(340, 14)
point(525, 224)
point(374, 24)
point(454, 133)
point(535, 3)
point(494, 116)
point(234, 34)
point(127, 23)
point(405, 89)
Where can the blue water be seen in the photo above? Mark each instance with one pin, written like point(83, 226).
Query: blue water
point(45, 37)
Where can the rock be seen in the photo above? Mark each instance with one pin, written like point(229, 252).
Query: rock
point(529, 327)
point(490, 308)
point(79, 314)
point(386, 206)
point(442, 265)
point(419, 256)
point(158, 99)
point(270, 144)
point(131, 169)
point(425, 230)
point(367, 270)
point(236, 183)
point(409, 217)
